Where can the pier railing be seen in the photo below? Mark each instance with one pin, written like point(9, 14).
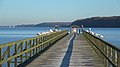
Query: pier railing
point(15, 53)
point(109, 54)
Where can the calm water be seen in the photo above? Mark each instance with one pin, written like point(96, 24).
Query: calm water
point(19, 33)
point(112, 35)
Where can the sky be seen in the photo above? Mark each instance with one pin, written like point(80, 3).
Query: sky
point(15, 12)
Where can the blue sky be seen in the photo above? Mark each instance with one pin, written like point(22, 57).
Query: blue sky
point(13, 12)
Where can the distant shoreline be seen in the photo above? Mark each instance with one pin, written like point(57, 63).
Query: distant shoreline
point(93, 22)
point(64, 27)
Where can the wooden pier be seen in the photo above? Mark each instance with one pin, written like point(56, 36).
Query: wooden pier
point(59, 49)
point(68, 52)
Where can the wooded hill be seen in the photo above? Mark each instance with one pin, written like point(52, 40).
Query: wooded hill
point(48, 24)
point(113, 21)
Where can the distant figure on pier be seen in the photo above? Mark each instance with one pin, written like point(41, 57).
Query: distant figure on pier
point(90, 29)
point(75, 29)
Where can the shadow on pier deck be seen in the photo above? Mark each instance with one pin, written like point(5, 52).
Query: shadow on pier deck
point(71, 51)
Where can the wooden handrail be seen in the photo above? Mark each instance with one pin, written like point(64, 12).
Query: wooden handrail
point(109, 54)
point(27, 48)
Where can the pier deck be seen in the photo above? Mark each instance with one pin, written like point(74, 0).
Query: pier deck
point(71, 51)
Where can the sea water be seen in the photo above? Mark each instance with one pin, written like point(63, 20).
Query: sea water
point(111, 35)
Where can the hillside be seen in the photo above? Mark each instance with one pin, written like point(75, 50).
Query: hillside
point(47, 24)
point(113, 21)
point(52, 24)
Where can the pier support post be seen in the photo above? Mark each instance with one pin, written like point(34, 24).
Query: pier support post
point(9, 56)
point(0, 56)
point(118, 59)
point(113, 56)
point(30, 47)
point(21, 49)
point(26, 45)
point(15, 54)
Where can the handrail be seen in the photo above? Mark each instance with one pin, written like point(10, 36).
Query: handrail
point(109, 54)
point(10, 52)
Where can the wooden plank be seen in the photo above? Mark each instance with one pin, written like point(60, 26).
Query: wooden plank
point(15, 64)
point(82, 55)
point(0, 56)
point(36, 44)
point(5, 53)
point(21, 50)
point(30, 48)
point(33, 44)
point(113, 56)
point(109, 55)
point(8, 56)
point(118, 59)
point(26, 47)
